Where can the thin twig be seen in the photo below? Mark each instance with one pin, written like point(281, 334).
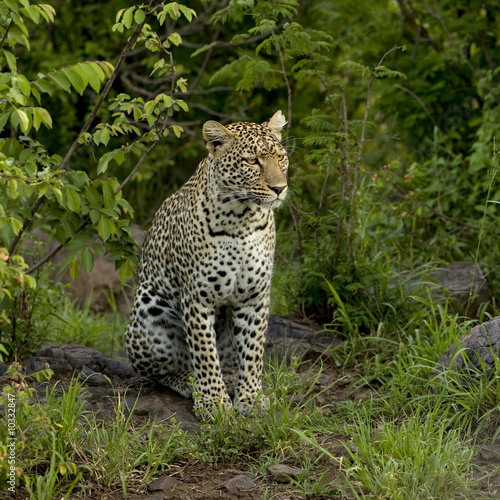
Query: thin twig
point(410, 19)
point(138, 165)
point(6, 32)
point(396, 47)
point(59, 247)
point(417, 98)
point(206, 59)
point(447, 217)
point(288, 90)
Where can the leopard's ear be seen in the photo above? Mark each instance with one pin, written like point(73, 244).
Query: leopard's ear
point(276, 123)
point(217, 137)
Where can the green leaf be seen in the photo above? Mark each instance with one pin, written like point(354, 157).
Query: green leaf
point(125, 272)
point(188, 13)
point(107, 67)
point(62, 80)
point(24, 121)
point(139, 16)
point(105, 136)
point(109, 195)
point(30, 281)
point(119, 14)
point(3, 120)
point(11, 60)
point(177, 130)
point(16, 225)
point(93, 196)
point(87, 260)
point(37, 118)
point(73, 269)
point(127, 17)
point(204, 48)
point(32, 12)
point(105, 228)
point(48, 12)
point(76, 80)
point(44, 85)
point(46, 118)
point(12, 5)
point(94, 73)
point(94, 216)
point(73, 199)
point(175, 38)
point(58, 194)
point(104, 162)
point(182, 104)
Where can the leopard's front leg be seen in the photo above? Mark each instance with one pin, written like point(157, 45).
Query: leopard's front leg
point(250, 325)
point(209, 390)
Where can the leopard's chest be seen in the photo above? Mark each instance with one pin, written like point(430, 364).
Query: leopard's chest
point(234, 268)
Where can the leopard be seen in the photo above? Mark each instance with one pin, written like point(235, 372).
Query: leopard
point(200, 311)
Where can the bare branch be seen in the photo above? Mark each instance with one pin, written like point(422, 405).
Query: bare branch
point(206, 59)
point(417, 98)
point(410, 19)
point(396, 47)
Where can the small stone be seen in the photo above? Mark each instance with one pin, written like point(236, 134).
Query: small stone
point(282, 473)
point(238, 484)
point(237, 472)
point(157, 496)
point(164, 483)
point(490, 454)
point(478, 356)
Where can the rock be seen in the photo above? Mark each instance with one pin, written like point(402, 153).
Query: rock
point(157, 496)
point(108, 382)
point(69, 359)
point(164, 483)
point(462, 280)
point(489, 454)
point(293, 337)
point(282, 473)
point(239, 484)
point(482, 348)
point(280, 327)
point(457, 280)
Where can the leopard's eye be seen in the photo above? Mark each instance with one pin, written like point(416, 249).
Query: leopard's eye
point(252, 161)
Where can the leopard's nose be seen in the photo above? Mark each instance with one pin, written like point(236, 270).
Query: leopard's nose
point(277, 189)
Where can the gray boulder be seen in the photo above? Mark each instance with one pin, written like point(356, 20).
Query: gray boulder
point(475, 354)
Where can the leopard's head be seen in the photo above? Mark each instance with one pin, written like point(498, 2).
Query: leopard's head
point(250, 163)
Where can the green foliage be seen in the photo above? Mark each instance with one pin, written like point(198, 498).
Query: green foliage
point(41, 189)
